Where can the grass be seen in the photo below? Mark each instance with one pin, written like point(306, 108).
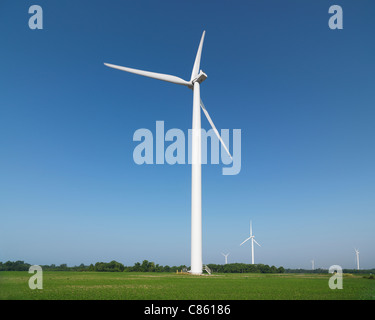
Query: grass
point(59, 285)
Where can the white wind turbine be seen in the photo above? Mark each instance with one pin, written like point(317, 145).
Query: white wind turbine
point(312, 265)
point(252, 243)
point(357, 257)
point(197, 77)
point(226, 257)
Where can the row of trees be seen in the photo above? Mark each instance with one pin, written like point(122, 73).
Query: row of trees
point(244, 268)
point(145, 266)
point(149, 266)
point(14, 266)
point(361, 271)
point(112, 266)
point(23, 266)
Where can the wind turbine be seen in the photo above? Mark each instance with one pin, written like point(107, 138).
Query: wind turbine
point(312, 265)
point(226, 257)
point(357, 258)
point(252, 243)
point(197, 77)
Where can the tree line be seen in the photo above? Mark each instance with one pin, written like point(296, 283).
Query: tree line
point(244, 268)
point(145, 266)
point(149, 266)
point(319, 270)
point(113, 266)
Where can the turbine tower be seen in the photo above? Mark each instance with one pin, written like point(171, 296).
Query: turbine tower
point(197, 77)
point(357, 258)
point(312, 265)
point(252, 243)
point(226, 257)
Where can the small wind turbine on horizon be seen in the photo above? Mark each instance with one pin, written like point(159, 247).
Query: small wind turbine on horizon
point(226, 257)
point(357, 257)
point(252, 243)
point(197, 77)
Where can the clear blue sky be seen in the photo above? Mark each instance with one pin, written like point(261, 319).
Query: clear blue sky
point(302, 94)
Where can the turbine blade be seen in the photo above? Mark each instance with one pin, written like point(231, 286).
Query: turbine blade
point(214, 128)
point(251, 229)
point(197, 61)
point(257, 242)
point(154, 75)
point(245, 241)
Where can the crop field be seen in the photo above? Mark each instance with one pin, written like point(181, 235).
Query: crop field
point(60, 285)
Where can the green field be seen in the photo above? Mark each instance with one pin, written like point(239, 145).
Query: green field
point(167, 286)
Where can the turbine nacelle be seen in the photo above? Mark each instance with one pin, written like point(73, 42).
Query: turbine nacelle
point(200, 77)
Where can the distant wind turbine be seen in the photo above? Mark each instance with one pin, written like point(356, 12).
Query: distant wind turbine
point(312, 265)
point(197, 77)
point(226, 257)
point(252, 243)
point(357, 258)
